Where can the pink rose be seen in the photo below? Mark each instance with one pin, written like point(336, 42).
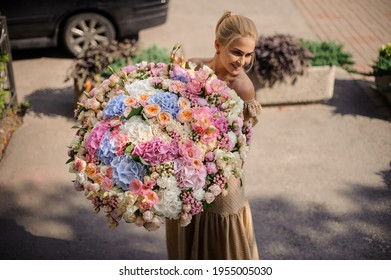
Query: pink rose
point(194, 87)
point(80, 165)
point(211, 167)
point(202, 119)
point(215, 86)
point(189, 151)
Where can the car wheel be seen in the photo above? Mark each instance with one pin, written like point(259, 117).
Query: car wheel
point(84, 30)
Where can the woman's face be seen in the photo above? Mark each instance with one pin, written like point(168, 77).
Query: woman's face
point(237, 54)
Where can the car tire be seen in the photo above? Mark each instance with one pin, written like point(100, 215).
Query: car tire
point(87, 29)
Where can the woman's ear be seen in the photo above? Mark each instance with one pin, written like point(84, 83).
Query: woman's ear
point(217, 46)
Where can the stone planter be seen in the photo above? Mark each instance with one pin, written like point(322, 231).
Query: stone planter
point(383, 83)
point(383, 86)
point(316, 85)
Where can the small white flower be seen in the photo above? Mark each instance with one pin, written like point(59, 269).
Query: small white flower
point(199, 194)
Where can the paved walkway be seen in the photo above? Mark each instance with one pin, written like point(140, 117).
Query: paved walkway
point(362, 26)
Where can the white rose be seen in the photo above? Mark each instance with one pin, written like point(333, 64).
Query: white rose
point(166, 83)
point(199, 194)
point(242, 139)
point(215, 189)
point(233, 137)
point(209, 197)
point(147, 216)
point(244, 151)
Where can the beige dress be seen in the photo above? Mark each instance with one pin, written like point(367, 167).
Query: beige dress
point(223, 232)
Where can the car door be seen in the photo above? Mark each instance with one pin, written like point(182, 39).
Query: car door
point(34, 18)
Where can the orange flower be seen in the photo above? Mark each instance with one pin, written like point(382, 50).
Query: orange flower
point(185, 115)
point(142, 98)
point(130, 101)
point(87, 85)
point(164, 118)
point(90, 170)
point(183, 103)
point(151, 110)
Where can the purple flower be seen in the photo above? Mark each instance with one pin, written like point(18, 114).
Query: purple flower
point(179, 74)
point(167, 101)
point(125, 170)
point(114, 107)
point(107, 148)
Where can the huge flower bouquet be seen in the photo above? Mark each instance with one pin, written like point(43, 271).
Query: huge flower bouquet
point(158, 141)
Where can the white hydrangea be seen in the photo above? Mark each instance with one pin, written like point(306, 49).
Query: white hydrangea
point(167, 182)
point(169, 204)
point(137, 130)
point(139, 87)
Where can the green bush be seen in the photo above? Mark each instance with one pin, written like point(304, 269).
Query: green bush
point(382, 66)
point(328, 53)
point(151, 54)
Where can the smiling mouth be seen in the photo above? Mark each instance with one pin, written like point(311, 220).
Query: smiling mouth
point(236, 67)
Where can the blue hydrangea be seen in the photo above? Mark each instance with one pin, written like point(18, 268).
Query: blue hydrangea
point(106, 150)
point(167, 101)
point(125, 170)
point(182, 78)
point(115, 107)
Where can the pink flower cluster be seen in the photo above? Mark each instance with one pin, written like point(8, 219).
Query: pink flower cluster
point(156, 151)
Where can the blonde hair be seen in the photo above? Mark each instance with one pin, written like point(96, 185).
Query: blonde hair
point(232, 26)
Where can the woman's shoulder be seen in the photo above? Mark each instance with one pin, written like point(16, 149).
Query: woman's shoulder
point(244, 87)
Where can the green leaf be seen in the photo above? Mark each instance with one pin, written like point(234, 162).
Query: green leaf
point(129, 148)
point(69, 160)
point(134, 112)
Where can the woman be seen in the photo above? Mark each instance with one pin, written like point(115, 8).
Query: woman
point(225, 231)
